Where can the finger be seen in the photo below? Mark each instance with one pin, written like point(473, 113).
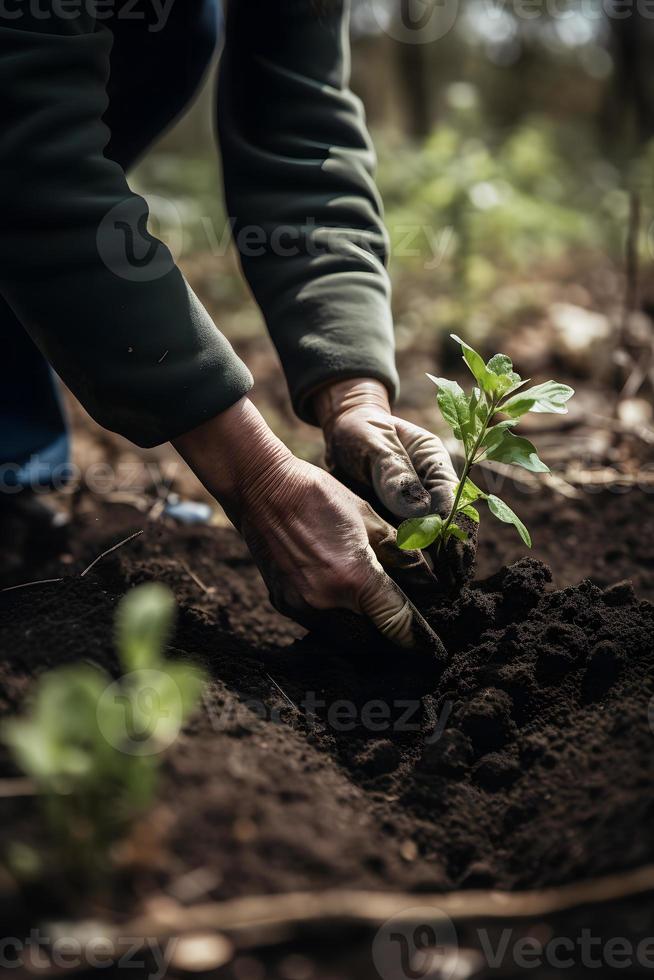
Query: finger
point(408, 568)
point(431, 462)
point(395, 617)
point(393, 477)
point(283, 595)
point(454, 565)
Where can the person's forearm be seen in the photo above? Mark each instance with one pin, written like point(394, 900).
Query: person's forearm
point(297, 159)
point(99, 295)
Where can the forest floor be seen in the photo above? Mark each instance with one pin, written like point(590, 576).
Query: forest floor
point(526, 762)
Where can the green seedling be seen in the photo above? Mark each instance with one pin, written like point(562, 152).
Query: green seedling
point(92, 745)
point(482, 421)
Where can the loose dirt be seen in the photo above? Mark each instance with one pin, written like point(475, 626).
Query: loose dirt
point(527, 761)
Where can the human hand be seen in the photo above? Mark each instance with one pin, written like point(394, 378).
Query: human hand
point(407, 468)
point(317, 545)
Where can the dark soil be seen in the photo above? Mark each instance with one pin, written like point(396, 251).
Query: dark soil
point(527, 762)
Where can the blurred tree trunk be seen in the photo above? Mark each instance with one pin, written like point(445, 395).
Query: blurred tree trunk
point(629, 108)
point(416, 85)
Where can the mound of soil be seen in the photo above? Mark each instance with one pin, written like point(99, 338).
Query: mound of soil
point(528, 761)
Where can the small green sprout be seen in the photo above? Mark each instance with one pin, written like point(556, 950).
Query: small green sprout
point(472, 419)
point(92, 745)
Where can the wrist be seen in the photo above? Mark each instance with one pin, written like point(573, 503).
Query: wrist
point(336, 398)
point(233, 453)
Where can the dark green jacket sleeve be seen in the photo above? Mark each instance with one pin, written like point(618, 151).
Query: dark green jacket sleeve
point(298, 164)
point(102, 299)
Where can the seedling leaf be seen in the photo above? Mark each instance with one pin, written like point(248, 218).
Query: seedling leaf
point(551, 396)
point(144, 622)
point(487, 380)
point(454, 405)
point(500, 364)
point(455, 531)
point(504, 513)
point(470, 418)
point(517, 450)
point(470, 493)
point(419, 532)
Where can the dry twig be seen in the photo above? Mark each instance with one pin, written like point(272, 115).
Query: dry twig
point(109, 550)
point(283, 693)
point(25, 585)
point(209, 589)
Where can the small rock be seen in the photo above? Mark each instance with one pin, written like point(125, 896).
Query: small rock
point(200, 952)
point(635, 411)
point(408, 850)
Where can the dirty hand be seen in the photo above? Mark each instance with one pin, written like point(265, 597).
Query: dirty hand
point(407, 468)
point(317, 545)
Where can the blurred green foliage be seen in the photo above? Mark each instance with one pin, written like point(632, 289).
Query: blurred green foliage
point(92, 745)
point(512, 199)
point(475, 207)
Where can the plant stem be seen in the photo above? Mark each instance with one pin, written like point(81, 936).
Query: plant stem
point(467, 466)
point(464, 476)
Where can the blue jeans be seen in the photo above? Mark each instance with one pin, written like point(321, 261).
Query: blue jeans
point(154, 75)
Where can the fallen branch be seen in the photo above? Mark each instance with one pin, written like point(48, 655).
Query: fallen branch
point(269, 912)
point(268, 919)
point(607, 477)
point(109, 550)
point(642, 432)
